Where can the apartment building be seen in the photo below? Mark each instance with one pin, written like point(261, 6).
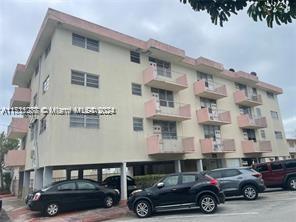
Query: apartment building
point(292, 147)
point(173, 112)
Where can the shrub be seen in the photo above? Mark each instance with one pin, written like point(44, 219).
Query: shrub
point(147, 180)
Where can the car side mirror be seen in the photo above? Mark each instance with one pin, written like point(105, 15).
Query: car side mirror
point(160, 185)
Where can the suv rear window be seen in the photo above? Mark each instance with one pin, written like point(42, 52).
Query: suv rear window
point(230, 173)
point(262, 168)
point(215, 174)
point(290, 164)
point(276, 166)
point(189, 178)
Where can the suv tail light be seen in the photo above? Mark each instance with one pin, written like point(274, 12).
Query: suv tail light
point(258, 175)
point(213, 182)
point(36, 196)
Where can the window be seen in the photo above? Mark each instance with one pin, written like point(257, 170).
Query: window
point(270, 95)
point(135, 57)
point(92, 80)
point(136, 89)
point(230, 173)
point(37, 68)
point(83, 42)
point(208, 103)
point(211, 131)
point(215, 174)
point(138, 124)
point(91, 121)
point(276, 166)
point(67, 186)
point(163, 67)
point(262, 133)
point(84, 79)
point(262, 168)
point(290, 164)
point(84, 121)
point(168, 128)
point(47, 50)
point(77, 78)
point(45, 84)
point(274, 115)
point(78, 40)
point(278, 135)
point(76, 120)
point(166, 97)
point(258, 112)
point(85, 186)
point(42, 125)
point(34, 129)
point(92, 44)
point(190, 178)
point(35, 100)
point(171, 181)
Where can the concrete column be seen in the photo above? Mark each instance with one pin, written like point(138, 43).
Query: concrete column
point(123, 184)
point(26, 184)
point(68, 174)
point(80, 174)
point(199, 165)
point(47, 176)
point(38, 180)
point(178, 166)
point(100, 175)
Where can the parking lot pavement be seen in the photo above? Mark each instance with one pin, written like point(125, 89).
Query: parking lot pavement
point(16, 211)
point(272, 206)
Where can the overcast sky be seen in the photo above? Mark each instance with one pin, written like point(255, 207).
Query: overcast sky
point(241, 44)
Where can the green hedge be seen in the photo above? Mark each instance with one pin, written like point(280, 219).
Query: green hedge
point(147, 180)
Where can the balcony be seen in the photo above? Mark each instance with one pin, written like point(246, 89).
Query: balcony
point(15, 158)
point(292, 149)
point(263, 146)
point(209, 146)
point(247, 122)
point(210, 116)
point(21, 97)
point(177, 145)
point(157, 78)
point(18, 128)
point(241, 98)
point(173, 111)
point(209, 90)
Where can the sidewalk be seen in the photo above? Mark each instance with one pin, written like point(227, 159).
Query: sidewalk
point(18, 212)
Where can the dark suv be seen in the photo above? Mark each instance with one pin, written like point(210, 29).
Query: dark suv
point(239, 181)
point(178, 191)
point(278, 173)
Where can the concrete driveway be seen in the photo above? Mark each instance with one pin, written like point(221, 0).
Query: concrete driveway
point(272, 206)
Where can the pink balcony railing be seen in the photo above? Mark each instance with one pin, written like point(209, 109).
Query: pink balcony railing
point(18, 128)
point(158, 78)
point(245, 121)
point(213, 116)
point(263, 146)
point(172, 111)
point(241, 98)
point(209, 90)
point(210, 146)
point(15, 158)
point(21, 97)
point(178, 145)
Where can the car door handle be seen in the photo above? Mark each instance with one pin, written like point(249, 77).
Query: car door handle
point(174, 189)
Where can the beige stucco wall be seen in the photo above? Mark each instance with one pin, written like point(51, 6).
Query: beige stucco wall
point(115, 140)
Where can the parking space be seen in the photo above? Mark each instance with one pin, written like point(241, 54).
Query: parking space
point(271, 206)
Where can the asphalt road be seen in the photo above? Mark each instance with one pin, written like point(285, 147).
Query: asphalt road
point(272, 206)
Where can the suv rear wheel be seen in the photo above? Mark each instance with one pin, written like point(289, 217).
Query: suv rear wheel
point(208, 204)
point(143, 208)
point(250, 192)
point(292, 183)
